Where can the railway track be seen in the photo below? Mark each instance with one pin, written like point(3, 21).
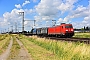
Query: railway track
point(81, 40)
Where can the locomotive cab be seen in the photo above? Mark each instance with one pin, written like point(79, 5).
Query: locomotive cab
point(69, 31)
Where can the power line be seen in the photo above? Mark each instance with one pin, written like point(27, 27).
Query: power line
point(31, 20)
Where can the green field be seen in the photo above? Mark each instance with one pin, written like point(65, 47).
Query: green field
point(46, 49)
point(82, 35)
point(57, 50)
point(4, 41)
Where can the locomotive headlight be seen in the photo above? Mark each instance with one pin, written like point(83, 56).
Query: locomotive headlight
point(66, 30)
point(71, 29)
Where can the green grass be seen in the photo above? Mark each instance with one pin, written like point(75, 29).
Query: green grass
point(82, 35)
point(4, 43)
point(14, 50)
point(3, 36)
point(38, 52)
point(63, 50)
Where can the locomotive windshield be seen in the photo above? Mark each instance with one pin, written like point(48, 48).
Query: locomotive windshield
point(68, 26)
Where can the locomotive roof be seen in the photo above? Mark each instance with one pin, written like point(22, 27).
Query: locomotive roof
point(52, 26)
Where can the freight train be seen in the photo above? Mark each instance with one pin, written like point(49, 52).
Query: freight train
point(63, 30)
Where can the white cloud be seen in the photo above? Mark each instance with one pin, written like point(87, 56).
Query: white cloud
point(26, 22)
point(38, 18)
point(1, 19)
point(67, 5)
point(79, 12)
point(47, 9)
point(26, 2)
point(9, 18)
point(65, 20)
point(29, 11)
point(84, 22)
point(60, 20)
point(3, 22)
point(35, 1)
point(87, 18)
point(18, 6)
point(51, 9)
point(81, 24)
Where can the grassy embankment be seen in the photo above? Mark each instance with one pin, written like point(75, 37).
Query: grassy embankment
point(38, 48)
point(37, 52)
point(4, 42)
point(3, 36)
point(82, 35)
point(14, 50)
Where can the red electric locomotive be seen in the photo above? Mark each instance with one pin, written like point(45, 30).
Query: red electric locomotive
point(63, 30)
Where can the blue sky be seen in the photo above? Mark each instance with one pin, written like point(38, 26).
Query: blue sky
point(76, 12)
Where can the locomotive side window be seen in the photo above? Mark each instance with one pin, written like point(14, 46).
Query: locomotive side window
point(68, 26)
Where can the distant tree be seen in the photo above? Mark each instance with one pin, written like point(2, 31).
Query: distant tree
point(84, 28)
point(24, 31)
point(87, 28)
